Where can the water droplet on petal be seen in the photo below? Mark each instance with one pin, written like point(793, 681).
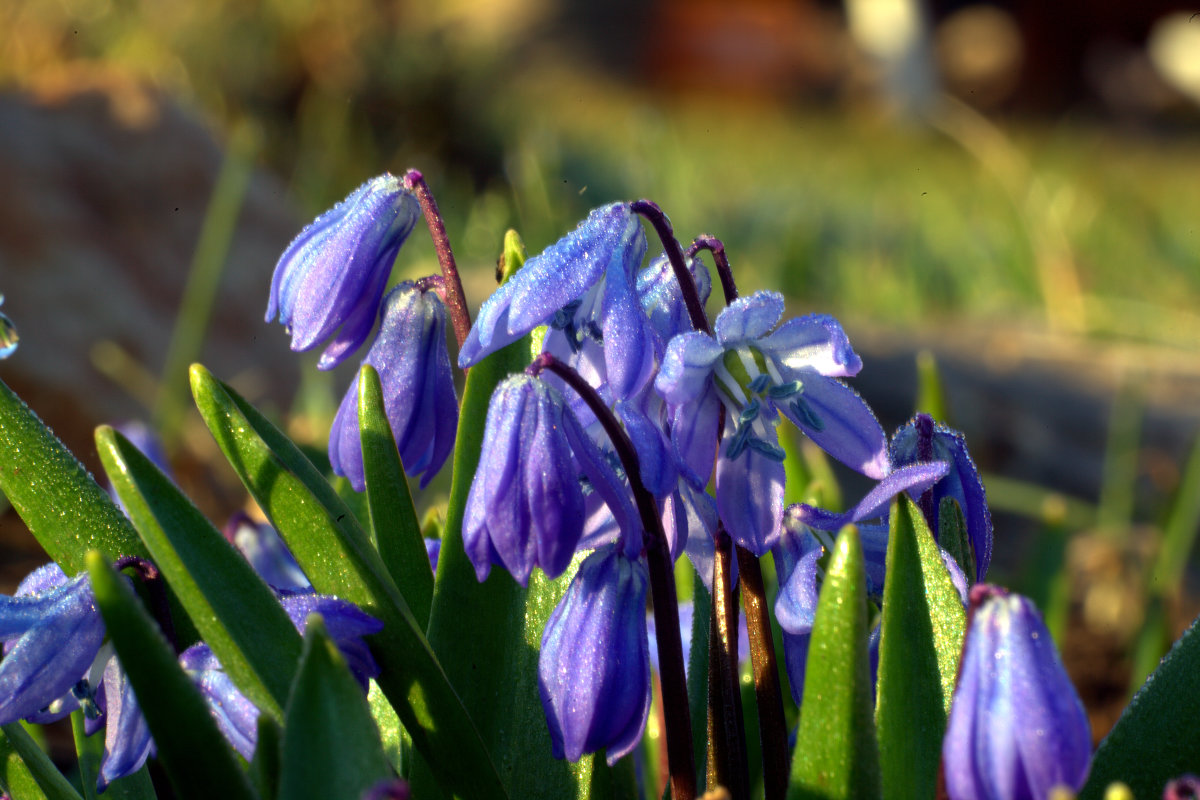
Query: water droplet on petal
point(8, 336)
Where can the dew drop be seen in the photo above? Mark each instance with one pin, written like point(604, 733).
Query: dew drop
point(8, 337)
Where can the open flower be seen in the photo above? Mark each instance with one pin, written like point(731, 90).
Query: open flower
point(331, 277)
point(594, 668)
point(760, 369)
point(1017, 728)
point(418, 388)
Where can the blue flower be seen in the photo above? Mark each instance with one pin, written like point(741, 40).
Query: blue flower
point(526, 506)
point(127, 740)
point(331, 277)
point(418, 388)
point(594, 668)
point(1017, 727)
point(759, 369)
point(962, 483)
point(267, 553)
point(584, 287)
point(235, 715)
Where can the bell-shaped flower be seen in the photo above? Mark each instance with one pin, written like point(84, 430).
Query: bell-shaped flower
point(267, 553)
point(962, 482)
point(235, 715)
point(526, 506)
point(759, 369)
point(127, 740)
point(52, 632)
point(584, 287)
point(594, 668)
point(418, 388)
point(329, 281)
point(1017, 728)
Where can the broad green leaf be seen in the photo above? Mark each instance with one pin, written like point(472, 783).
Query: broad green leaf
point(954, 537)
point(265, 768)
point(235, 612)
point(63, 506)
point(26, 772)
point(190, 748)
point(391, 733)
point(1155, 739)
point(922, 630)
point(836, 755)
point(393, 518)
point(697, 671)
point(330, 743)
point(339, 559)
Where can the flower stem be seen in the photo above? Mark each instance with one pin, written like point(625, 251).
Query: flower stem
point(680, 758)
point(727, 765)
point(924, 425)
point(687, 285)
point(456, 301)
point(715, 246)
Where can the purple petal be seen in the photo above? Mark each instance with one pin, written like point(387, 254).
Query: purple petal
point(686, 371)
point(814, 342)
point(835, 417)
point(748, 318)
point(914, 479)
point(127, 742)
point(750, 496)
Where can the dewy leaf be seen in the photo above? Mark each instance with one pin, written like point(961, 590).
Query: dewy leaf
point(393, 518)
point(235, 612)
point(65, 509)
point(27, 773)
point(190, 748)
point(836, 755)
point(264, 769)
point(330, 743)
point(954, 537)
point(1155, 739)
point(923, 627)
point(338, 558)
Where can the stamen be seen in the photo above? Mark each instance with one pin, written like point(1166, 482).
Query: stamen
point(82, 691)
point(805, 414)
point(771, 451)
point(749, 413)
point(782, 390)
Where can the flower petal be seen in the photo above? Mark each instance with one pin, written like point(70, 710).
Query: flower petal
point(835, 417)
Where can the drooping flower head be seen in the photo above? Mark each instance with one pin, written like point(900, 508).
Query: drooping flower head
point(1017, 728)
point(329, 281)
point(418, 388)
point(594, 667)
point(760, 369)
point(961, 483)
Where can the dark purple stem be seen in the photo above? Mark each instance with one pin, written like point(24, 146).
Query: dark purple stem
point(715, 246)
point(156, 589)
point(662, 584)
point(924, 424)
point(687, 285)
point(729, 766)
point(456, 300)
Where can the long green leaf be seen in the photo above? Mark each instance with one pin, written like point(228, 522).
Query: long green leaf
point(28, 773)
point(1155, 739)
point(338, 558)
point(922, 630)
point(65, 509)
point(330, 744)
point(235, 612)
point(836, 755)
point(198, 760)
point(393, 517)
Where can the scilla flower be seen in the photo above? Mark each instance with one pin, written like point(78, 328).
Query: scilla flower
point(418, 387)
point(329, 280)
point(759, 369)
point(594, 668)
point(1017, 728)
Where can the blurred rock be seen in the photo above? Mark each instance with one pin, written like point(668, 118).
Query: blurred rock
point(106, 187)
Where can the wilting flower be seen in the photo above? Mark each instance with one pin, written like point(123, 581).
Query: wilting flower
point(526, 505)
point(594, 668)
point(235, 715)
point(962, 482)
point(759, 371)
point(331, 277)
point(584, 287)
point(418, 388)
point(1017, 728)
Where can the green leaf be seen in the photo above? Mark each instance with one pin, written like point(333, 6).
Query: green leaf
point(931, 399)
point(190, 748)
point(330, 743)
point(922, 631)
point(338, 558)
point(235, 612)
point(397, 747)
point(393, 517)
point(697, 670)
point(28, 773)
point(65, 509)
point(1155, 739)
point(836, 754)
point(954, 537)
point(265, 768)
